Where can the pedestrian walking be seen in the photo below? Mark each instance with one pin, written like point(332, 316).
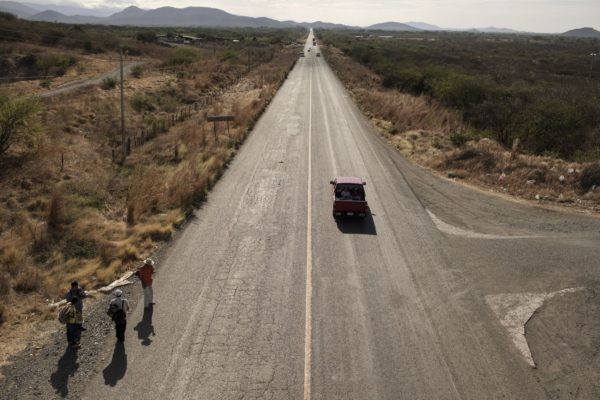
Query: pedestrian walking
point(145, 273)
point(78, 292)
point(72, 322)
point(118, 309)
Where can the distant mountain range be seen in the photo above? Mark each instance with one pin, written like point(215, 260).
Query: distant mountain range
point(210, 17)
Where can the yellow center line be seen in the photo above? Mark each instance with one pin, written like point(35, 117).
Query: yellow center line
point(308, 311)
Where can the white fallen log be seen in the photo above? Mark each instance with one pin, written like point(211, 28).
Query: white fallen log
point(122, 281)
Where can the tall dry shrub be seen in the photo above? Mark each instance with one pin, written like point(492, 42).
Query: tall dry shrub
point(28, 280)
point(408, 112)
point(146, 189)
point(4, 284)
point(188, 185)
point(56, 213)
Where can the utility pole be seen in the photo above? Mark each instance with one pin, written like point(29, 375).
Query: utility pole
point(122, 107)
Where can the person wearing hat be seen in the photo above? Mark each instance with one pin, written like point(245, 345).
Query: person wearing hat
point(145, 273)
point(118, 309)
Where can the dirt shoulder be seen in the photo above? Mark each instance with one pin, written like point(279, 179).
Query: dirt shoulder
point(36, 362)
point(110, 215)
point(47, 368)
point(436, 138)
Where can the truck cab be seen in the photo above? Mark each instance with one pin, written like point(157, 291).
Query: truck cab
point(349, 197)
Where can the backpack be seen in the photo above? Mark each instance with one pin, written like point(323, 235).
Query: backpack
point(112, 309)
point(115, 312)
point(63, 313)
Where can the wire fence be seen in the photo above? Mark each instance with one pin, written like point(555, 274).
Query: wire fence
point(136, 137)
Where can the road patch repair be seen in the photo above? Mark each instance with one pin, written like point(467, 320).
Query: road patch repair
point(454, 230)
point(514, 310)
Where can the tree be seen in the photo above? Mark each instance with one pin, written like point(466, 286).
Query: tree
point(18, 121)
point(146, 37)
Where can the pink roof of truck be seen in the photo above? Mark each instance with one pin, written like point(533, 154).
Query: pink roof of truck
point(348, 180)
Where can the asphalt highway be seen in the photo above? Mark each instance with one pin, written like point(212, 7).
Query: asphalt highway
point(266, 296)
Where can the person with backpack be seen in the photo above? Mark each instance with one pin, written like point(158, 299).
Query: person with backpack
point(145, 273)
point(117, 310)
point(78, 292)
point(69, 316)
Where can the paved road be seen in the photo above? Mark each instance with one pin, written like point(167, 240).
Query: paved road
point(395, 304)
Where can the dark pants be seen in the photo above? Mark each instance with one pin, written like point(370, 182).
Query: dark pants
point(120, 326)
point(73, 333)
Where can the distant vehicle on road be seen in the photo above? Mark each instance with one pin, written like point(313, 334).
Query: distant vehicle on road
point(318, 54)
point(309, 50)
point(301, 54)
point(349, 198)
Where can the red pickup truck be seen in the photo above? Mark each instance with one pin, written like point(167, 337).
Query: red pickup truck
point(349, 197)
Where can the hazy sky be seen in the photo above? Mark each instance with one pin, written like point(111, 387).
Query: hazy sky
point(529, 15)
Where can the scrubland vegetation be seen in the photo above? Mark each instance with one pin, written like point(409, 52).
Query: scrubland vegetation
point(540, 89)
point(518, 114)
point(68, 210)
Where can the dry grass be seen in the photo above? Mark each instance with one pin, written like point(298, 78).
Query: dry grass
point(92, 220)
point(29, 279)
point(409, 112)
point(4, 284)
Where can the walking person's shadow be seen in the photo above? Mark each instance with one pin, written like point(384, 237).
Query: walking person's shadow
point(67, 365)
point(145, 328)
point(115, 371)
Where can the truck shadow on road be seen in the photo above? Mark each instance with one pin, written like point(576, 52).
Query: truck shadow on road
point(357, 226)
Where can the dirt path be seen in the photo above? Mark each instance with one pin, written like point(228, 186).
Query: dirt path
point(127, 67)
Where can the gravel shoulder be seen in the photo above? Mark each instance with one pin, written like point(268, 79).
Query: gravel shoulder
point(48, 369)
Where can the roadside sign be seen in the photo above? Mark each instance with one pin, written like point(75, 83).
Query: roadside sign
point(217, 118)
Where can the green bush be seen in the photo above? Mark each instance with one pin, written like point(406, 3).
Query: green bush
point(146, 37)
point(553, 126)
point(18, 121)
point(229, 55)
point(184, 55)
point(141, 102)
point(590, 176)
point(55, 64)
point(108, 83)
point(131, 50)
point(85, 249)
point(137, 71)
point(458, 90)
point(459, 139)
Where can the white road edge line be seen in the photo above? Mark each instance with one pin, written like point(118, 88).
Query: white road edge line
point(308, 305)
